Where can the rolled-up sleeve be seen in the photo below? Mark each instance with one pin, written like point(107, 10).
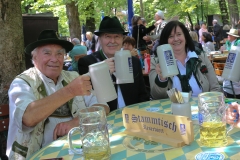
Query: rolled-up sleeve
point(20, 96)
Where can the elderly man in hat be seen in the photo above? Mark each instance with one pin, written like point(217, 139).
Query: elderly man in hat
point(232, 90)
point(45, 100)
point(111, 35)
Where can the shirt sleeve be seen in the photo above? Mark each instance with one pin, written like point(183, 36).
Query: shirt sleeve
point(20, 96)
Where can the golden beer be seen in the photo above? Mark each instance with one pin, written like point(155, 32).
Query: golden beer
point(213, 134)
point(97, 153)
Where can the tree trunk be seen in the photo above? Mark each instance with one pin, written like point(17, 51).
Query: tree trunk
point(73, 20)
point(233, 12)
point(11, 45)
point(90, 20)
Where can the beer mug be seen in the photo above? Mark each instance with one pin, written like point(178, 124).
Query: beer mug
point(123, 67)
point(211, 116)
point(232, 65)
point(167, 61)
point(102, 82)
point(94, 135)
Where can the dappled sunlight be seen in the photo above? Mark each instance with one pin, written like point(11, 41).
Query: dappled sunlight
point(58, 143)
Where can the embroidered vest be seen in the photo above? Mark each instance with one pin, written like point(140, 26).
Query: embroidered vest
point(26, 144)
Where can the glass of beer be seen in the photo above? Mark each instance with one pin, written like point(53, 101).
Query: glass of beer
point(94, 135)
point(213, 127)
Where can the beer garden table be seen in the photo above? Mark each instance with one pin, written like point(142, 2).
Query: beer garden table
point(124, 147)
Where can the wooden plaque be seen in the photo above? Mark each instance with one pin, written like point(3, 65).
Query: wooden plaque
point(168, 129)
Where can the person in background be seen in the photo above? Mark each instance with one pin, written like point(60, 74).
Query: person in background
point(232, 115)
point(129, 44)
point(196, 29)
point(233, 40)
point(111, 36)
point(201, 30)
point(196, 72)
point(231, 90)
point(44, 100)
point(95, 44)
point(217, 33)
point(207, 41)
point(139, 31)
point(160, 24)
point(88, 42)
point(78, 49)
point(194, 37)
point(144, 22)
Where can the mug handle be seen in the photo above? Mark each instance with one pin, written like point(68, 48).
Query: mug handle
point(70, 133)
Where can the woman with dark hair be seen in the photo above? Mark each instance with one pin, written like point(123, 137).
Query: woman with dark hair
point(207, 41)
point(138, 31)
point(196, 72)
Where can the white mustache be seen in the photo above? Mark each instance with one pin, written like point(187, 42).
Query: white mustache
point(112, 45)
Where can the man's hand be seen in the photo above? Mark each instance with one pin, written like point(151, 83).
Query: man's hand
point(63, 128)
point(111, 64)
point(80, 86)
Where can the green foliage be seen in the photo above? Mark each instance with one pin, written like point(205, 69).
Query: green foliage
point(114, 7)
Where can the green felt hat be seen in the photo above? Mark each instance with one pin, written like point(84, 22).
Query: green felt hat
point(110, 25)
point(48, 37)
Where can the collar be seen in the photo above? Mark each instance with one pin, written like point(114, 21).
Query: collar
point(48, 80)
point(190, 55)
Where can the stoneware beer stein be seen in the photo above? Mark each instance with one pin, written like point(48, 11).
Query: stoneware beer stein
point(123, 67)
point(232, 65)
point(211, 116)
point(167, 60)
point(182, 109)
point(102, 83)
point(94, 135)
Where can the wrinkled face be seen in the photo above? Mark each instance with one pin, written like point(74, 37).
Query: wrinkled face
point(111, 43)
point(49, 60)
point(177, 40)
point(231, 38)
point(127, 46)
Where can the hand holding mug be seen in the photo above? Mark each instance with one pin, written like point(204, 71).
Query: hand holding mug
point(110, 62)
point(232, 114)
point(159, 72)
point(80, 86)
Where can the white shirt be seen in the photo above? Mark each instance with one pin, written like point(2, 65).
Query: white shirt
point(192, 82)
point(21, 95)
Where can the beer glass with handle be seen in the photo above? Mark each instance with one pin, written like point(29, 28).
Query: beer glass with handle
point(211, 114)
point(93, 134)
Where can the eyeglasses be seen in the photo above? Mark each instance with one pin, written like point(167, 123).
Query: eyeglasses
point(116, 37)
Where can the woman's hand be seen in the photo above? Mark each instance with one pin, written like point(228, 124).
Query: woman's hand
point(159, 72)
point(232, 114)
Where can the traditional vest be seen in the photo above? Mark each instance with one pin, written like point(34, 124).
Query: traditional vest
point(26, 144)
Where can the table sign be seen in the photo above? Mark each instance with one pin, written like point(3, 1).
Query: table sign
point(168, 129)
